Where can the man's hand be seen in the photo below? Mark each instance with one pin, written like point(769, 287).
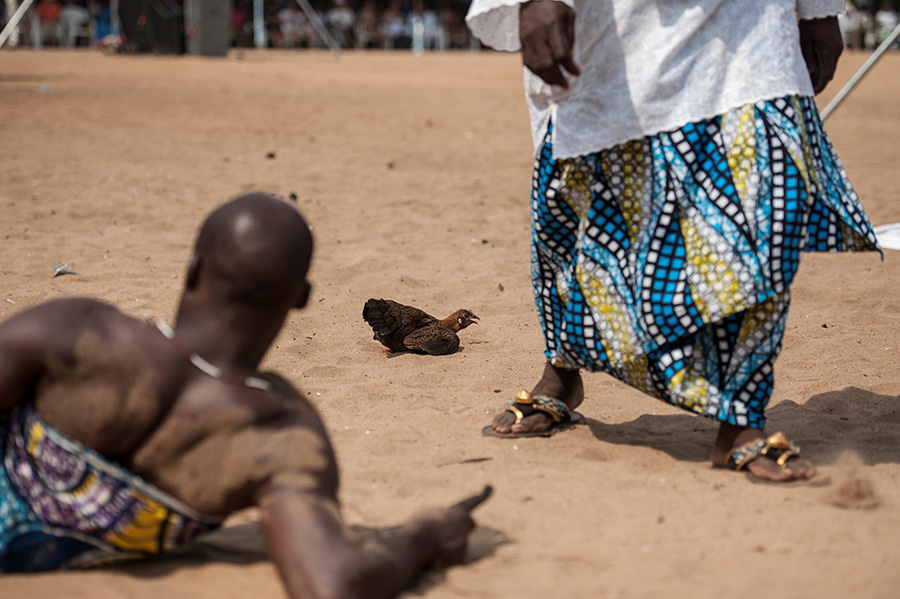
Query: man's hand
point(821, 43)
point(547, 34)
point(317, 557)
point(451, 529)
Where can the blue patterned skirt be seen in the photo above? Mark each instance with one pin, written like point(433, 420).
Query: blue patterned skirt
point(667, 261)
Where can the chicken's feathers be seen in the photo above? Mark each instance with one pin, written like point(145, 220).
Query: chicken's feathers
point(434, 339)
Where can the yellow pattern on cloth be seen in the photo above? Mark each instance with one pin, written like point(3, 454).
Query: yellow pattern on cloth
point(606, 304)
point(719, 279)
point(692, 388)
point(741, 154)
point(634, 182)
point(576, 193)
point(754, 320)
point(63, 505)
point(147, 529)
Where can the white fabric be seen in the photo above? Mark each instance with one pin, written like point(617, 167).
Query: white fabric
point(649, 66)
point(817, 9)
point(888, 236)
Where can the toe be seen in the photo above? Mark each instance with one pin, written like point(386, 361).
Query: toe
point(536, 423)
point(766, 469)
point(503, 422)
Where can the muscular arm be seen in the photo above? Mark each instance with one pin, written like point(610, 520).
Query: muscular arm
point(317, 559)
point(316, 556)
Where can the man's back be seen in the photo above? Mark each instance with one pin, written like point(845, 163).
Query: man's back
point(120, 387)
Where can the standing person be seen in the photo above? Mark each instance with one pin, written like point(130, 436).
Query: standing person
point(122, 439)
point(45, 23)
point(341, 21)
point(886, 20)
point(680, 169)
point(367, 35)
point(395, 32)
point(72, 17)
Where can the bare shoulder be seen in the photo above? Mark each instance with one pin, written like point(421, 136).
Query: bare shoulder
point(54, 327)
point(47, 330)
point(72, 306)
point(58, 315)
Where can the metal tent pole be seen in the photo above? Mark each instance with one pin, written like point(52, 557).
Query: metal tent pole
point(260, 39)
point(313, 17)
point(845, 91)
point(14, 21)
point(11, 7)
point(114, 17)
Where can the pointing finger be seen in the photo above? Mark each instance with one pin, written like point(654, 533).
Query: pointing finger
point(470, 503)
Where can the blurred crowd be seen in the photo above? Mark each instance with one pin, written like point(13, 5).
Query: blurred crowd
point(62, 23)
point(362, 24)
point(865, 24)
point(384, 24)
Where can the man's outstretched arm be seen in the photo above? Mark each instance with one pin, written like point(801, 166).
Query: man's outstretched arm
point(317, 558)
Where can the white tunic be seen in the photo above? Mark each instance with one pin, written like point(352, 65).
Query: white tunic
point(654, 65)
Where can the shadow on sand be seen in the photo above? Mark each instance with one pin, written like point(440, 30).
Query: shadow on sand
point(243, 544)
point(825, 426)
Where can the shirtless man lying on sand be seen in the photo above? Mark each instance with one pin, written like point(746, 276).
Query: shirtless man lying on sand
point(122, 439)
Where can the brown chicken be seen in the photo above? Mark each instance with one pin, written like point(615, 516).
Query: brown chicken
point(404, 328)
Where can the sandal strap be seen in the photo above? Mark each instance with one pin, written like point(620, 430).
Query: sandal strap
point(775, 447)
point(526, 405)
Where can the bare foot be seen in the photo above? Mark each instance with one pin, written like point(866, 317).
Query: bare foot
point(558, 383)
point(731, 437)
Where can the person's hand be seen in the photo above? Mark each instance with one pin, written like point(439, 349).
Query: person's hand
point(451, 529)
point(547, 34)
point(822, 44)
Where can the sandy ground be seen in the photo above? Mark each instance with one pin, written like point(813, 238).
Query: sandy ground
point(415, 173)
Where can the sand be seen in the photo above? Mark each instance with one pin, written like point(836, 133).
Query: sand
point(415, 173)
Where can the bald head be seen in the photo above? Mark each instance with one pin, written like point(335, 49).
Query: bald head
point(254, 250)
